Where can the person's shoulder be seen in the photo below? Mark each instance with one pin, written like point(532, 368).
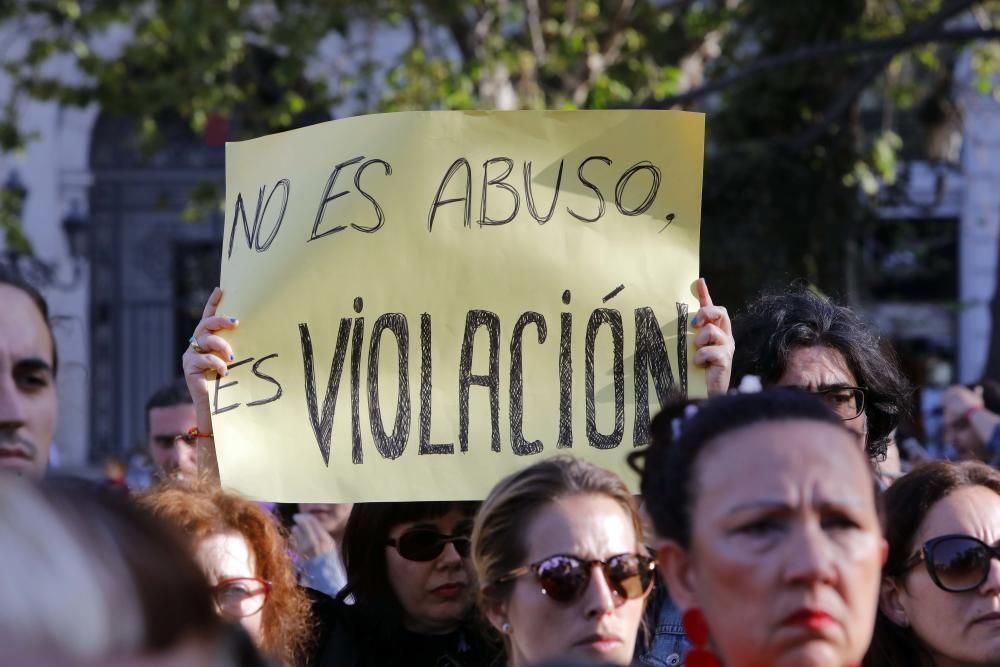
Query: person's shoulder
point(333, 622)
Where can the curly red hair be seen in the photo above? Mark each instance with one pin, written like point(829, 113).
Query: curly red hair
point(201, 510)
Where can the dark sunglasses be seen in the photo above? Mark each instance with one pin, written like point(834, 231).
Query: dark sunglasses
point(564, 578)
point(956, 563)
point(422, 545)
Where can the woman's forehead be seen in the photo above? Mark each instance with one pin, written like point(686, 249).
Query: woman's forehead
point(783, 459)
point(970, 510)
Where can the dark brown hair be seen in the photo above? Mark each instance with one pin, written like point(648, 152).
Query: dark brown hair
point(11, 276)
point(364, 553)
point(907, 503)
point(681, 434)
point(773, 326)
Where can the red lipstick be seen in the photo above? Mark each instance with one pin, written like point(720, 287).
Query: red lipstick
point(814, 619)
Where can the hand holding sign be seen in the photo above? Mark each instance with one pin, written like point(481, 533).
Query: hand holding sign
point(208, 354)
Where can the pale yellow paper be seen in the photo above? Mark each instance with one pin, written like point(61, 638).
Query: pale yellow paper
point(270, 450)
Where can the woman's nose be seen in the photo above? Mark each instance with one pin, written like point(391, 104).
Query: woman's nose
point(991, 585)
point(449, 555)
point(810, 557)
point(598, 598)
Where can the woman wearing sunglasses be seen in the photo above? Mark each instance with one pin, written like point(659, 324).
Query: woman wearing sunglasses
point(770, 541)
point(940, 601)
point(559, 550)
point(246, 561)
point(410, 593)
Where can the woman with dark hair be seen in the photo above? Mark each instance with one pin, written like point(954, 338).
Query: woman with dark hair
point(770, 541)
point(559, 550)
point(410, 593)
point(940, 600)
point(798, 338)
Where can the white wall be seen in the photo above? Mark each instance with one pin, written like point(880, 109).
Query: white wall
point(979, 239)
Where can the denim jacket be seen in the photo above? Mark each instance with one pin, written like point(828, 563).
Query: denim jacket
point(663, 644)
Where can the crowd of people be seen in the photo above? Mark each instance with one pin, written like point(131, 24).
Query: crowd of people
point(773, 528)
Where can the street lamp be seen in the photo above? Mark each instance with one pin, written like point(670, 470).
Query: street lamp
point(18, 255)
point(76, 226)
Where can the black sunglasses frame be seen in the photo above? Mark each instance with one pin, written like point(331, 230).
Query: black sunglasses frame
point(926, 554)
point(859, 398)
point(646, 566)
point(461, 542)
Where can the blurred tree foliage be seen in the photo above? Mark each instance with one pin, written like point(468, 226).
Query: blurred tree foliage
point(784, 83)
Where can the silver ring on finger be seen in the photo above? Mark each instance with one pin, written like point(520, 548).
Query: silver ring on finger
point(195, 346)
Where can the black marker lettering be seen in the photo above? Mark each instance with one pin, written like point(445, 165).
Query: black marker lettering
point(286, 185)
point(357, 340)
point(613, 319)
point(323, 425)
point(498, 181)
point(597, 191)
point(473, 321)
point(426, 447)
point(241, 212)
point(529, 198)
point(455, 166)
point(650, 196)
point(219, 387)
point(565, 379)
point(521, 446)
point(327, 198)
point(650, 357)
point(390, 446)
point(264, 376)
point(682, 349)
point(378, 209)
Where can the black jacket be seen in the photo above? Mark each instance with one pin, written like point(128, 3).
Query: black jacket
point(347, 637)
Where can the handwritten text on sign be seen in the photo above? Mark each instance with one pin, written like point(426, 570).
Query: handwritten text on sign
point(431, 300)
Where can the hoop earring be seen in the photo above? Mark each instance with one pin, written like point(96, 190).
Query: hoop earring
point(696, 628)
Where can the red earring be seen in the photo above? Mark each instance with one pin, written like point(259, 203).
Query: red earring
point(696, 629)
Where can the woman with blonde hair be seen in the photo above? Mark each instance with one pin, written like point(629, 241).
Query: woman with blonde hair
point(559, 551)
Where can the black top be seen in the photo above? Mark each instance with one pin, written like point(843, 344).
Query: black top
point(346, 637)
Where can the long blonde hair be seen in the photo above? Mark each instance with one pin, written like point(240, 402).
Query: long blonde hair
point(498, 537)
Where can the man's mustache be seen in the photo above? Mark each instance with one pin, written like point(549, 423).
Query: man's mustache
point(11, 440)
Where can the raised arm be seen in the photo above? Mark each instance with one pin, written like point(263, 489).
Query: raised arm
point(207, 357)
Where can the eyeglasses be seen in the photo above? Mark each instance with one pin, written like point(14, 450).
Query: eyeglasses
point(423, 545)
point(240, 597)
point(847, 402)
point(564, 578)
point(167, 441)
point(956, 563)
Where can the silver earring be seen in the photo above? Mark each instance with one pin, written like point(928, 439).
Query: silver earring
point(505, 628)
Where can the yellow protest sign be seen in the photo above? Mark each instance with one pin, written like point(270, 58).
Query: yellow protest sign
point(431, 300)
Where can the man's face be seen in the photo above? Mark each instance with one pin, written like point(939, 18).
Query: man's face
point(958, 432)
point(27, 385)
point(172, 451)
